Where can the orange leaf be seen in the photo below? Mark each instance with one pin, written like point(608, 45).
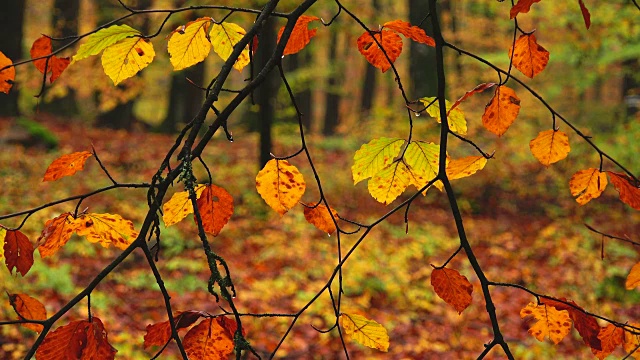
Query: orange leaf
point(300, 36)
point(549, 322)
point(586, 325)
point(208, 340)
point(320, 217)
point(66, 165)
point(466, 166)
point(414, 33)
point(452, 287)
point(77, 340)
point(550, 146)
point(501, 111)
point(631, 341)
point(107, 229)
point(585, 14)
point(523, 6)
point(58, 65)
point(8, 75)
point(629, 192)
point(159, 334)
point(633, 279)
point(587, 184)
point(56, 233)
point(529, 57)
point(216, 207)
point(42, 47)
point(391, 43)
point(610, 338)
point(29, 309)
point(480, 88)
point(280, 184)
point(18, 252)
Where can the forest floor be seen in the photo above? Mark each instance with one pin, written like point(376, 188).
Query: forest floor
point(534, 238)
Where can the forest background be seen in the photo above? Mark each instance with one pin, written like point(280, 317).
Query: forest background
point(520, 215)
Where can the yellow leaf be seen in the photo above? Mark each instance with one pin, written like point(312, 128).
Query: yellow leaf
point(467, 166)
point(386, 185)
point(126, 58)
point(549, 323)
point(631, 341)
point(550, 146)
point(107, 229)
point(455, 117)
point(3, 234)
point(364, 331)
point(179, 206)
point(190, 44)
point(587, 184)
point(374, 156)
point(633, 279)
point(224, 37)
point(280, 184)
point(102, 39)
point(423, 159)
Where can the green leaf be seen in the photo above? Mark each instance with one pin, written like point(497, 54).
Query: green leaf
point(103, 39)
point(457, 121)
point(374, 156)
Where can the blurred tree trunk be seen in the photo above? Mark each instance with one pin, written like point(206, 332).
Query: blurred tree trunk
point(422, 60)
point(631, 86)
point(121, 116)
point(368, 92)
point(184, 98)
point(332, 99)
point(299, 62)
point(11, 18)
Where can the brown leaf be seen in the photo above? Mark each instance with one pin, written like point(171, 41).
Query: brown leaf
point(414, 33)
point(160, 333)
point(523, 6)
point(66, 165)
point(300, 36)
point(98, 346)
point(18, 252)
point(29, 309)
point(586, 325)
point(8, 75)
point(320, 217)
point(215, 205)
point(81, 340)
point(56, 233)
point(208, 341)
point(391, 43)
point(629, 192)
point(529, 57)
point(478, 89)
point(501, 111)
point(585, 14)
point(452, 287)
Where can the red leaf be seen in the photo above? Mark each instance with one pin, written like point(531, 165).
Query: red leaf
point(98, 346)
point(42, 47)
point(216, 207)
point(300, 36)
point(480, 88)
point(8, 75)
point(585, 14)
point(82, 340)
point(452, 287)
point(159, 334)
point(414, 33)
point(586, 325)
point(254, 43)
point(18, 252)
point(58, 65)
point(391, 43)
point(629, 192)
point(29, 309)
point(523, 6)
point(208, 341)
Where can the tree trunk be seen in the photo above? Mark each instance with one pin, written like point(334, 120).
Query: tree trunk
point(422, 58)
point(184, 98)
point(11, 18)
point(299, 62)
point(368, 92)
point(332, 100)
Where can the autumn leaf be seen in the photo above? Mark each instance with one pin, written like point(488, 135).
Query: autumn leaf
point(631, 341)
point(467, 166)
point(586, 325)
point(179, 206)
point(77, 340)
point(102, 39)
point(160, 333)
point(66, 165)
point(549, 322)
point(54, 65)
point(478, 89)
point(8, 75)
point(215, 205)
point(364, 331)
point(423, 161)
point(56, 233)
point(30, 309)
point(319, 216)
point(523, 6)
point(550, 146)
point(585, 14)
point(3, 234)
point(280, 184)
point(629, 192)
point(610, 337)
point(18, 252)
point(224, 37)
point(208, 340)
point(189, 44)
point(452, 287)
point(126, 58)
point(633, 279)
point(300, 36)
point(587, 184)
point(455, 117)
point(391, 43)
point(414, 33)
point(529, 57)
point(386, 185)
point(501, 111)
point(107, 229)
point(373, 156)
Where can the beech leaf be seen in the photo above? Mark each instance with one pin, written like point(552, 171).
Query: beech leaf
point(29, 309)
point(8, 75)
point(66, 165)
point(523, 6)
point(412, 32)
point(126, 58)
point(320, 217)
point(585, 14)
point(467, 166)
point(215, 205)
point(208, 340)
point(55, 65)
point(478, 89)
point(224, 37)
point(501, 111)
point(18, 252)
point(391, 43)
point(529, 57)
point(549, 322)
point(587, 184)
point(550, 146)
point(102, 39)
point(423, 161)
point(586, 325)
point(300, 36)
point(107, 229)
point(364, 331)
point(455, 116)
point(631, 341)
point(373, 156)
point(610, 337)
point(280, 185)
point(77, 340)
point(56, 233)
point(179, 206)
point(189, 44)
point(452, 287)
point(633, 279)
point(386, 185)
point(160, 333)
point(629, 192)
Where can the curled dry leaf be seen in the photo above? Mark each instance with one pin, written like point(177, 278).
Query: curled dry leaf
point(391, 43)
point(585, 14)
point(587, 184)
point(29, 309)
point(529, 57)
point(478, 89)
point(364, 331)
point(300, 36)
point(549, 322)
point(452, 287)
point(18, 251)
point(501, 111)
point(280, 184)
point(215, 205)
point(628, 190)
point(523, 6)
point(414, 33)
point(550, 146)
point(8, 75)
point(66, 165)
point(320, 217)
